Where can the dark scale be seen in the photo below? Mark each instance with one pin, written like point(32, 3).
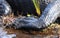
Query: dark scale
point(22, 6)
point(27, 6)
point(1, 9)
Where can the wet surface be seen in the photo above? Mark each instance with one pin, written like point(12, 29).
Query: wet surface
point(52, 31)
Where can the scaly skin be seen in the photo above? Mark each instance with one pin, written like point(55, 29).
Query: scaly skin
point(5, 8)
point(49, 15)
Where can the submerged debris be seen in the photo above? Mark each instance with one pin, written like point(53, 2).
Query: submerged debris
point(3, 33)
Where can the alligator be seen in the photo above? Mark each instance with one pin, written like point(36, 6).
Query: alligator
point(48, 16)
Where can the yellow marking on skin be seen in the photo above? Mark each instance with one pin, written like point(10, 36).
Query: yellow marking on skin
point(28, 15)
point(36, 4)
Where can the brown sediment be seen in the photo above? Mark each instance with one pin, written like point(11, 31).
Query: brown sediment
point(52, 31)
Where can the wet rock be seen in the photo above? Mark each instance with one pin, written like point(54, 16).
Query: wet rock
point(9, 36)
point(3, 34)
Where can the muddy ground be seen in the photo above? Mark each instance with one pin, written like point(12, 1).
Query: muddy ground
point(53, 31)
